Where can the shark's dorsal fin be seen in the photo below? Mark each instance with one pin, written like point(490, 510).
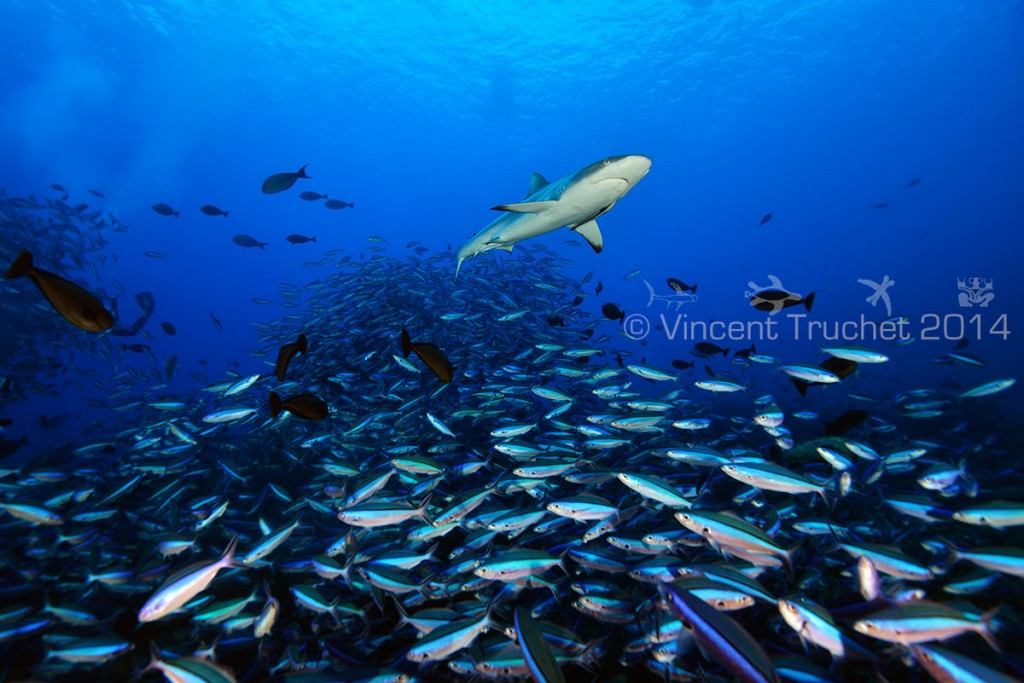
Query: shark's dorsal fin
point(525, 207)
point(537, 181)
point(592, 234)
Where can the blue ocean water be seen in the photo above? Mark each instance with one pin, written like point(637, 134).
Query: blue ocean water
point(884, 139)
point(426, 116)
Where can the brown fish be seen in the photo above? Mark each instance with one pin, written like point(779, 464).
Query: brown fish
point(306, 406)
point(429, 354)
point(165, 210)
point(211, 210)
point(247, 241)
point(287, 352)
point(79, 307)
point(279, 182)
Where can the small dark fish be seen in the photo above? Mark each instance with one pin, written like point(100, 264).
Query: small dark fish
point(618, 359)
point(136, 348)
point(912, 182)
point(599, 288)
point(586, 334)
point(211, 210)
point(682, 365)
point(300, 239)
point(613, 312)
point(312, 196)
point(97, 193)
point(247, 241)
point(165, 210)
point(81, 207)
point(767, 217)
point(279, 182)
point(679, 286)
point(338, 204)
point(59, 188)
point(216, 323)
point(772, 300)
point(154, 254)
point(429, 354)
point(286, 353)
point(845, 422)
point(745, 353)
point(8, 447)
point(709, 349)
point(556, 320)
point(577, 301)
point(880, 205)
point(172, 363)
point(168, 329)
point(587, 278)
point(962, 344)
point(709, 371)
point(306, 406)
point(77, 306)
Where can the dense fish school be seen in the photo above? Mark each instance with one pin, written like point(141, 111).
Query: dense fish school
point(421, 481)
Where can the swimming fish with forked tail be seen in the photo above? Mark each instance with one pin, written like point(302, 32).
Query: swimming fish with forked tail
point(279, 182)
point(247, 241)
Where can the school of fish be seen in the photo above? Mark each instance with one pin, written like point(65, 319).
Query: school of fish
point(403, 486)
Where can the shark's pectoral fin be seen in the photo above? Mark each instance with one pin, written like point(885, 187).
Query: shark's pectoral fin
point(592, 234)
point(525, 207)
point(504, 247)
point(592, 216)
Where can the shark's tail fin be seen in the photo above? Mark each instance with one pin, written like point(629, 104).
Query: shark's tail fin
point(458, 267)
point(651, 290)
